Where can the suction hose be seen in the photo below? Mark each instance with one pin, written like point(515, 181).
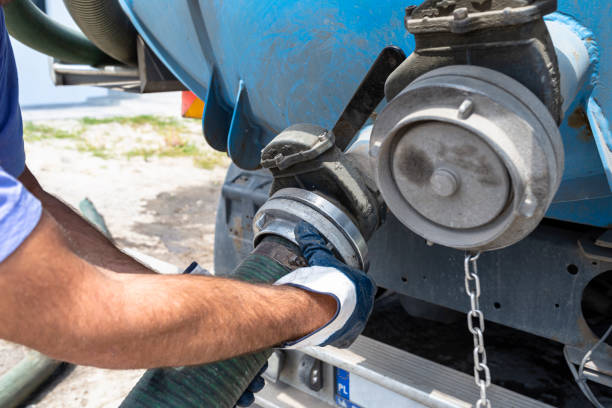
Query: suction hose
point(23, 379)
point(218, 385)
point(107, 26)
point(35, 29)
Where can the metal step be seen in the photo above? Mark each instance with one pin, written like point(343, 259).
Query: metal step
point(375, 367)
point(281, 395)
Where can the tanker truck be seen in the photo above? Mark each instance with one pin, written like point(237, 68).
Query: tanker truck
point(459, 151)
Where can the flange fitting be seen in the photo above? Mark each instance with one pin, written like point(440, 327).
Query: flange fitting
point(282, 212)
point(468, 158)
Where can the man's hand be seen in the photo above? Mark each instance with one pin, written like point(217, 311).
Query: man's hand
point(352, 289)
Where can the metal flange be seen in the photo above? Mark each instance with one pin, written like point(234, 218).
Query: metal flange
point(467, 158)
point(281, 213)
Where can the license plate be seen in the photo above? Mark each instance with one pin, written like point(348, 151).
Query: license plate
point(353, 391)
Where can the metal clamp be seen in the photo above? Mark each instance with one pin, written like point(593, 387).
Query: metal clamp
point(281, 213)
point(325, 142)
point(463, 19)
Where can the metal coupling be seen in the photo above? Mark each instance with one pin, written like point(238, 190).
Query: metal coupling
point(287, 207)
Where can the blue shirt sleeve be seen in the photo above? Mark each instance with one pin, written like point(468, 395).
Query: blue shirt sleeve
point(12, 155)
point(20, 212)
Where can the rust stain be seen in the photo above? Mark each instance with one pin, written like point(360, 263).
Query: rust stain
point(236, 233)
point(579, 120)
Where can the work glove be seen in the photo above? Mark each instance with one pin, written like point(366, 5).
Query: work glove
point(248, 397)
point(353, 290)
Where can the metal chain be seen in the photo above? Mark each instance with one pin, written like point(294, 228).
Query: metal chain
point(476, 326)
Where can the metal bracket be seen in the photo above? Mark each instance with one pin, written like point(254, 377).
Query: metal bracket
point(597, 248)
point(367, 97)
point(154, 75)
point(325, 142)
point(515, 42)
point(455, 17)
point(311, 372)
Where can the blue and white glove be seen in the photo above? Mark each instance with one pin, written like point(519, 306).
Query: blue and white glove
point(353, 290)
point(248, 397)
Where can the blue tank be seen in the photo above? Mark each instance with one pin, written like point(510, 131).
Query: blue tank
point(262, 66)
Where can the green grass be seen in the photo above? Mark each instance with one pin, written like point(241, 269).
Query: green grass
point(96, 151)
point(160, 124)
point(179, 150)
point(209, 161)
point(33, 133)
point(170, 128)
point(141, 152)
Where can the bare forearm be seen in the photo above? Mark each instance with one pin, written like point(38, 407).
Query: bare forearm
point(89, 243)
point(85, 240)
point(182, 320)
point(56, 302)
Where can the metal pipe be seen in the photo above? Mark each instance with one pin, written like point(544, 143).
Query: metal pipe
point(359, 153)
point(570, 40)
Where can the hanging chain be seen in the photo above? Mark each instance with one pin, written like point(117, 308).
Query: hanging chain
point(476, 326)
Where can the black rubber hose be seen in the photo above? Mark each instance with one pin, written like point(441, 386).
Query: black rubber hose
point(107, 26)
point(218, 385)
point(30, 26)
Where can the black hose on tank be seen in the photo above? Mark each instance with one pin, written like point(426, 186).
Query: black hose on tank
point(220, 384)
point(26, 23)
point(107, 26)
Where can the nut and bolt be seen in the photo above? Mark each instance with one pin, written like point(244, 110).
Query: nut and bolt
point(466, 109)
point(529, 206)
point(261, 221)
point(410, 10)
point(460, 13)
point(445, 4)
point(444, 182)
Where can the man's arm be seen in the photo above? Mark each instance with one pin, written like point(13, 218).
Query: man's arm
point(56, 302)
point(85, 240)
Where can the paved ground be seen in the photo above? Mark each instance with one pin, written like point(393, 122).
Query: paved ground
point(161, 205)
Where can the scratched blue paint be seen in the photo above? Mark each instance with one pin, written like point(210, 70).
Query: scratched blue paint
point(244, 138)
point(301, 61)
point(602, 135)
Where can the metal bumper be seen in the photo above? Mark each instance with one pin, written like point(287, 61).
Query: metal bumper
point(388, 376)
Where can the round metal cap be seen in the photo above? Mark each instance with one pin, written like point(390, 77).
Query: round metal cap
point(450, 175)
point(467, 158)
